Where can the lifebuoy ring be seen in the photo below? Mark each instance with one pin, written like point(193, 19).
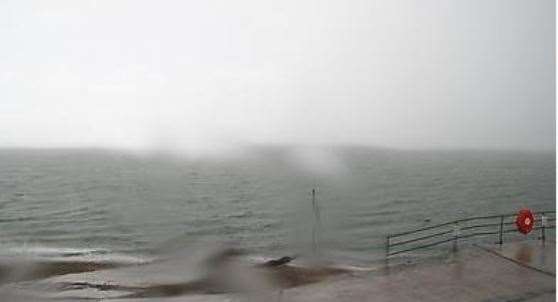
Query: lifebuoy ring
point(525, 221)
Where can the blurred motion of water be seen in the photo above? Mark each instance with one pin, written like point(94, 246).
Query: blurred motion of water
point(115, 205)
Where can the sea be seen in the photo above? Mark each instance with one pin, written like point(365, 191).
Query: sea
point(118, 206)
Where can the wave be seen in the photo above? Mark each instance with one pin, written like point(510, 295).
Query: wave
point(217, 271)
point(38, 262)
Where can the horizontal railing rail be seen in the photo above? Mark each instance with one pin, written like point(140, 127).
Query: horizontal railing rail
point(453, 231)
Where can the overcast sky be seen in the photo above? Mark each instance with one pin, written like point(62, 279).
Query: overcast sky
point(211, 74)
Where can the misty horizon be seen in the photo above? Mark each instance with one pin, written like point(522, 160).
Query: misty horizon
point(214, 77)
point(278, 150)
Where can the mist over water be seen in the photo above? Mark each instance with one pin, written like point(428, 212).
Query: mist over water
point(113, 202)
point(165, 140)
point(80, 211)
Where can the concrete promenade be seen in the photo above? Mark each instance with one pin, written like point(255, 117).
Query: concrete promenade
point(519, 271)
point(514, 272)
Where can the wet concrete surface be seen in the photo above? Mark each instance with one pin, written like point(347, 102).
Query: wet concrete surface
point(473, 274)
point(477, 273)
point(518, 271)
point(532, 253)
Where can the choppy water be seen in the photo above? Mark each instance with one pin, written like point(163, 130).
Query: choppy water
point(127, 207)
point(122, 203)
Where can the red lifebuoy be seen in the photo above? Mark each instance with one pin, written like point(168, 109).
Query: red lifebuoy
point(525, 221)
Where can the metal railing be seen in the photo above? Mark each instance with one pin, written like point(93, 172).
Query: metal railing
point(463, 229)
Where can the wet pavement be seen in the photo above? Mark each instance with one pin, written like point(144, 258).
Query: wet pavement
point(534, 254)
point(517, 271)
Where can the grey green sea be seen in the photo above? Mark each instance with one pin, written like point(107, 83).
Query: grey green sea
point(129, 205)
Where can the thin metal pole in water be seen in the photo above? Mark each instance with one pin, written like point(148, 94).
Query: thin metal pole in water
point(317, 222)
point(501, 232)
point(387, 247)
point(314, 200)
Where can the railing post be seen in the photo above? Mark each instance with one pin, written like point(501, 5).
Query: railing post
point(501, 232)
point(543, 226)
point(455, 236)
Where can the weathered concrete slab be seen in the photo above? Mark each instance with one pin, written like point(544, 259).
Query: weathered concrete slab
point(535, 254)
point(472, 275)
point(521, 271)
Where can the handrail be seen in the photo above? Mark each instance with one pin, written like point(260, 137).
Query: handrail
point(463, 220)
point(494, 227)
point(421, 238)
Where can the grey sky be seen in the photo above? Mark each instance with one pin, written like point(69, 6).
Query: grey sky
point(202, 75)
